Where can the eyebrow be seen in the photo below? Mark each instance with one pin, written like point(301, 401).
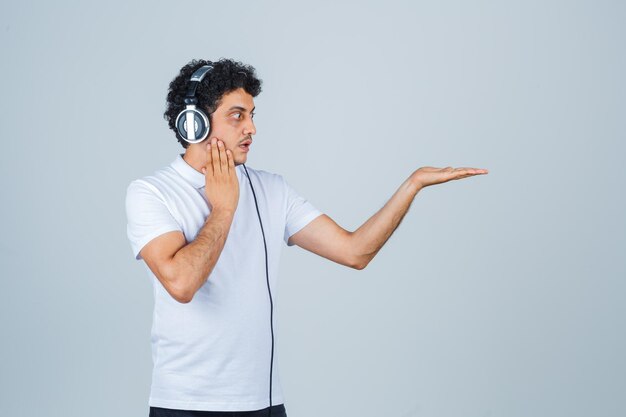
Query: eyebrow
point(241, 108)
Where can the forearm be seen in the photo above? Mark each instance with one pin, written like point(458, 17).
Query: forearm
point(194, 262)
point(372, 235)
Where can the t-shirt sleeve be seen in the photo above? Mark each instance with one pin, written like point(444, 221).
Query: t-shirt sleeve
point(300, 212)
point(147, 215)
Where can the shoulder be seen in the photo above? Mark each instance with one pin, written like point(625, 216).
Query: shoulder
point(152, 184)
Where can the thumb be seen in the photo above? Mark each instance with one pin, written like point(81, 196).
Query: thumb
point(204, 170)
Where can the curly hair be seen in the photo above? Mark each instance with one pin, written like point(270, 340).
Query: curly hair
point(226, 76)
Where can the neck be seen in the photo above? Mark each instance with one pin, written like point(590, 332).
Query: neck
point(195, 156)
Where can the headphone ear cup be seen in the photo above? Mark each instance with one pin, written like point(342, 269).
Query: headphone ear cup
point(201, 127)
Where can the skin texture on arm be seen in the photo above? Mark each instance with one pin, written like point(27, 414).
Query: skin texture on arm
point(183, 268)
point(356, 249)
point(326, 238)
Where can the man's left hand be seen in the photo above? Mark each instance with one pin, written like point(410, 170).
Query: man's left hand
point(426, 176)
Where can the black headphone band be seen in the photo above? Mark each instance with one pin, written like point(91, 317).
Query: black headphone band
point(196, 78)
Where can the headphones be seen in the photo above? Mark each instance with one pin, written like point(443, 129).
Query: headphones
point(191, 115)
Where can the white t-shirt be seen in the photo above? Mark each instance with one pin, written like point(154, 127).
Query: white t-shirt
point(213, 353)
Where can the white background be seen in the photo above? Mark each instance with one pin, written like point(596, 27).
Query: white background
point(499, 295)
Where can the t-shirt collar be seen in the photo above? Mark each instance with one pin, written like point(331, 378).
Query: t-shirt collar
point(194, 177)
point(188, 172)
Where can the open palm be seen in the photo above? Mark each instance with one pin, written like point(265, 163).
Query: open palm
point(426, 176)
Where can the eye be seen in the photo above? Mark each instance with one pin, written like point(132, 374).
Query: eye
point(252, 115)
point(238, 115)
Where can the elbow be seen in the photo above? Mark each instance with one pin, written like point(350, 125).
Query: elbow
point(360, 256)
point(183, 299)
point(178, 288)
point(183, 292)
point(359, 263)
point(182, 295)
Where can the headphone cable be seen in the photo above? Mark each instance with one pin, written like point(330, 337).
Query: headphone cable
point(268, 286)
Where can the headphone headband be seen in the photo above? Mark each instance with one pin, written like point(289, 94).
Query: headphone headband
point(196, 78)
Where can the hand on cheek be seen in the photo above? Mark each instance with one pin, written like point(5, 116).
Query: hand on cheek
point(221, 182)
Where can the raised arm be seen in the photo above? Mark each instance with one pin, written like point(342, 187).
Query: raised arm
point(183, 268)
point(356, 249)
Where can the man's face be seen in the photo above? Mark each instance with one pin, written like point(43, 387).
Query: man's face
point(232, 123)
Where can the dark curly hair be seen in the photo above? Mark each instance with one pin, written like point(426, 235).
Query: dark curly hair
point(226, 76)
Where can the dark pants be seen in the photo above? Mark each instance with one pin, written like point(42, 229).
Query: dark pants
point(277, 411)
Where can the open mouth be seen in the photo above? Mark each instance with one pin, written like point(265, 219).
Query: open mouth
point(245, 145)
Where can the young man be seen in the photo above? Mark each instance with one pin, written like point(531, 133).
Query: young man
point(210, 231)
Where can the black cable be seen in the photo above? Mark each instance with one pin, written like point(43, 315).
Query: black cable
point(267, 275)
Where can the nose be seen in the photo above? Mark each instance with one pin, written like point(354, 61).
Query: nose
point(250, 129)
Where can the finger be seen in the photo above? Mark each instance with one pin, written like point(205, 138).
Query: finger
point(231, 162)
point(466, 172)
point(223, 158)
point(203, 169)
point(215, 156)
point(475, 170)
point(209, 159)
point(460, 173)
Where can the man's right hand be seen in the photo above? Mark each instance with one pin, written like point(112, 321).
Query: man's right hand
point(221, 182)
